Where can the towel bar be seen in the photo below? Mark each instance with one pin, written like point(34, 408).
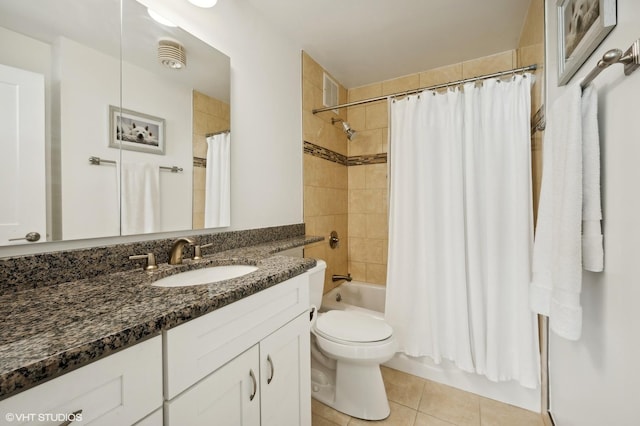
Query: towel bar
point(96, 161)
point(630, 59)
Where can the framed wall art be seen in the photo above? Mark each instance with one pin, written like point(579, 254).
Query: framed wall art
point(135, 131)
point(582, 25)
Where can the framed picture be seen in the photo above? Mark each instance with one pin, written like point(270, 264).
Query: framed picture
point(136, 131)
point(582, 25)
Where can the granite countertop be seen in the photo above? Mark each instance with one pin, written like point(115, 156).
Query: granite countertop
point(49, 331)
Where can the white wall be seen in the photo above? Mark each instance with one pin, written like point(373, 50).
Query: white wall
point(89, 193)
point(89, 197)
point(594, 381)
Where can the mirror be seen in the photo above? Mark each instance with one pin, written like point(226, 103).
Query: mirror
point(144, 125)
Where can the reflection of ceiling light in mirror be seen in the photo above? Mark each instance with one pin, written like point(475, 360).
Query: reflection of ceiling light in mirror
point(172, 54)
point(160, 19)
point(204, 3)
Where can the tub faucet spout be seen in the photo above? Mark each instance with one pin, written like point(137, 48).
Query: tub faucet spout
point(347, 277)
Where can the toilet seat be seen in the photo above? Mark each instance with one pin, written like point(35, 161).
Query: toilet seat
point(348, 327)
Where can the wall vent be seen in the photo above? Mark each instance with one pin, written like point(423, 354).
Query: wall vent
point(329, 92)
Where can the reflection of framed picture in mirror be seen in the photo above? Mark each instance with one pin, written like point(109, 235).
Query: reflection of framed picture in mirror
point(582, 25)
point(136, 131)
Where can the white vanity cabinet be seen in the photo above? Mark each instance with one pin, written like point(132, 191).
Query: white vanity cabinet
point(245, 364)
point(229, 396)
point(120, 389)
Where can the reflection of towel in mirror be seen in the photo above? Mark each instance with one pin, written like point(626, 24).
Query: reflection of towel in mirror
point(140, 198)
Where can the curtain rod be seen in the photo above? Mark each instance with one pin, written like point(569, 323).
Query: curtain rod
point(217, 133)
point(438, 86)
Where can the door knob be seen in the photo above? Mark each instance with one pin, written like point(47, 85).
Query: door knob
point(31, 237)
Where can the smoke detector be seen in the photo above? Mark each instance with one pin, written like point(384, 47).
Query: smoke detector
point(172, 54)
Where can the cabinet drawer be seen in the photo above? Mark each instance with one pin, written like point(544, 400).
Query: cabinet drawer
point(199, 347)
point(119, 389)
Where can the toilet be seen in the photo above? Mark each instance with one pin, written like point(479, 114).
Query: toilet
point(347, 349)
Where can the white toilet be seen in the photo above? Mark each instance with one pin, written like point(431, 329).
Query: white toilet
point(347, 349)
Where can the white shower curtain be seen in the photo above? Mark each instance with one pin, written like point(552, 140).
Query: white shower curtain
point(218, 183)
point(461, 229)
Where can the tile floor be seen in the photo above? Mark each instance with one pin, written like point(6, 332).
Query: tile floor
point(418, 402)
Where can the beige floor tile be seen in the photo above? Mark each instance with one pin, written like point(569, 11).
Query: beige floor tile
point(403, 388)
point(400, 416)
point(450, 404)
point(321, 421)
point(495, 413)
point(426, 420)
point(318, 409)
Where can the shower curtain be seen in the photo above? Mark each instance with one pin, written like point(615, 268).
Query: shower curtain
point(218, 181)
point(461, 229)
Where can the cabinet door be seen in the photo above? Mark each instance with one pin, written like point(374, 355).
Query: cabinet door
point(230, 396)
point(285, 375)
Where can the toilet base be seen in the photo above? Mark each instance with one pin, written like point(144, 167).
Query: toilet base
point(353, 389)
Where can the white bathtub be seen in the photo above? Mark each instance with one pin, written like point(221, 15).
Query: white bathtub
point(370, 298)
point(356, 296)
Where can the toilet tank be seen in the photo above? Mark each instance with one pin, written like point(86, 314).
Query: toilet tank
point(316, 282)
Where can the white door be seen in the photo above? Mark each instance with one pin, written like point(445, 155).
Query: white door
point(22, 156)
point(285, 375)
point(230, 396)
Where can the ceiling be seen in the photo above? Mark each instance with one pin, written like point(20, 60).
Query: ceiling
point(365, 41)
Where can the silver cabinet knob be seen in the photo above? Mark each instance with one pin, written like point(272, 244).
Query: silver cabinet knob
point(31, 237)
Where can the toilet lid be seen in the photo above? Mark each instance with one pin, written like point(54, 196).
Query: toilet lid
point(352, 326)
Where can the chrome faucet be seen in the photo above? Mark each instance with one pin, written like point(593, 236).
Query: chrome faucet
point(347, 277)
point(177, 249)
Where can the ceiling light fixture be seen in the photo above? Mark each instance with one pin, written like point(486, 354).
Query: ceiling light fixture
point(203, 3)
point(172, 54)
point(160, 19)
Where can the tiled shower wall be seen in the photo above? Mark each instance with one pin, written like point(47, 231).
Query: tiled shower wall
point(209, 116)
point(366, 185)
point(531, 51)
point(325, 174)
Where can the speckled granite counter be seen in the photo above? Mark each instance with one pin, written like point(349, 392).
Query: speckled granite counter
point(51, 330)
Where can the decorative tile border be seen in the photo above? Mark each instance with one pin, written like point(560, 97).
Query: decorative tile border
point(200, 162)
point(324, 153)
point(362, 160)
point(357, 160)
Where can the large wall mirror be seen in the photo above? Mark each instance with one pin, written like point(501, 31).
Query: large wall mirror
point(114, 123)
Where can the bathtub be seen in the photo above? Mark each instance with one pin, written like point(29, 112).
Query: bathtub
point(356, 296)
point(370, 299)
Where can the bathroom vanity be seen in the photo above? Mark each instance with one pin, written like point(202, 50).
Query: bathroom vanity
point(128, 352)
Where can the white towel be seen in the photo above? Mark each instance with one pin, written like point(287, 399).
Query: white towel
point(592, 247)
point(140, 198)
point(557, 251)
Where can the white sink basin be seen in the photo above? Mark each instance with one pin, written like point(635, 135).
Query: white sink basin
point(205, 275)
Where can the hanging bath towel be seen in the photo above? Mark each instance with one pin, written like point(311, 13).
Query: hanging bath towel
point(570, 194)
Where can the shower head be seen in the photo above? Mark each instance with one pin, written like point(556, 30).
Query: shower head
point(345, 127)
point(348, 130)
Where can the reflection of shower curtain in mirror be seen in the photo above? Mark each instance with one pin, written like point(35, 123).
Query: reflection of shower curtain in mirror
point(461, 229)
point(217, 196)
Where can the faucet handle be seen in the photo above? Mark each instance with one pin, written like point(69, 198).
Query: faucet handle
point(151, 260)
point(198, 250)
